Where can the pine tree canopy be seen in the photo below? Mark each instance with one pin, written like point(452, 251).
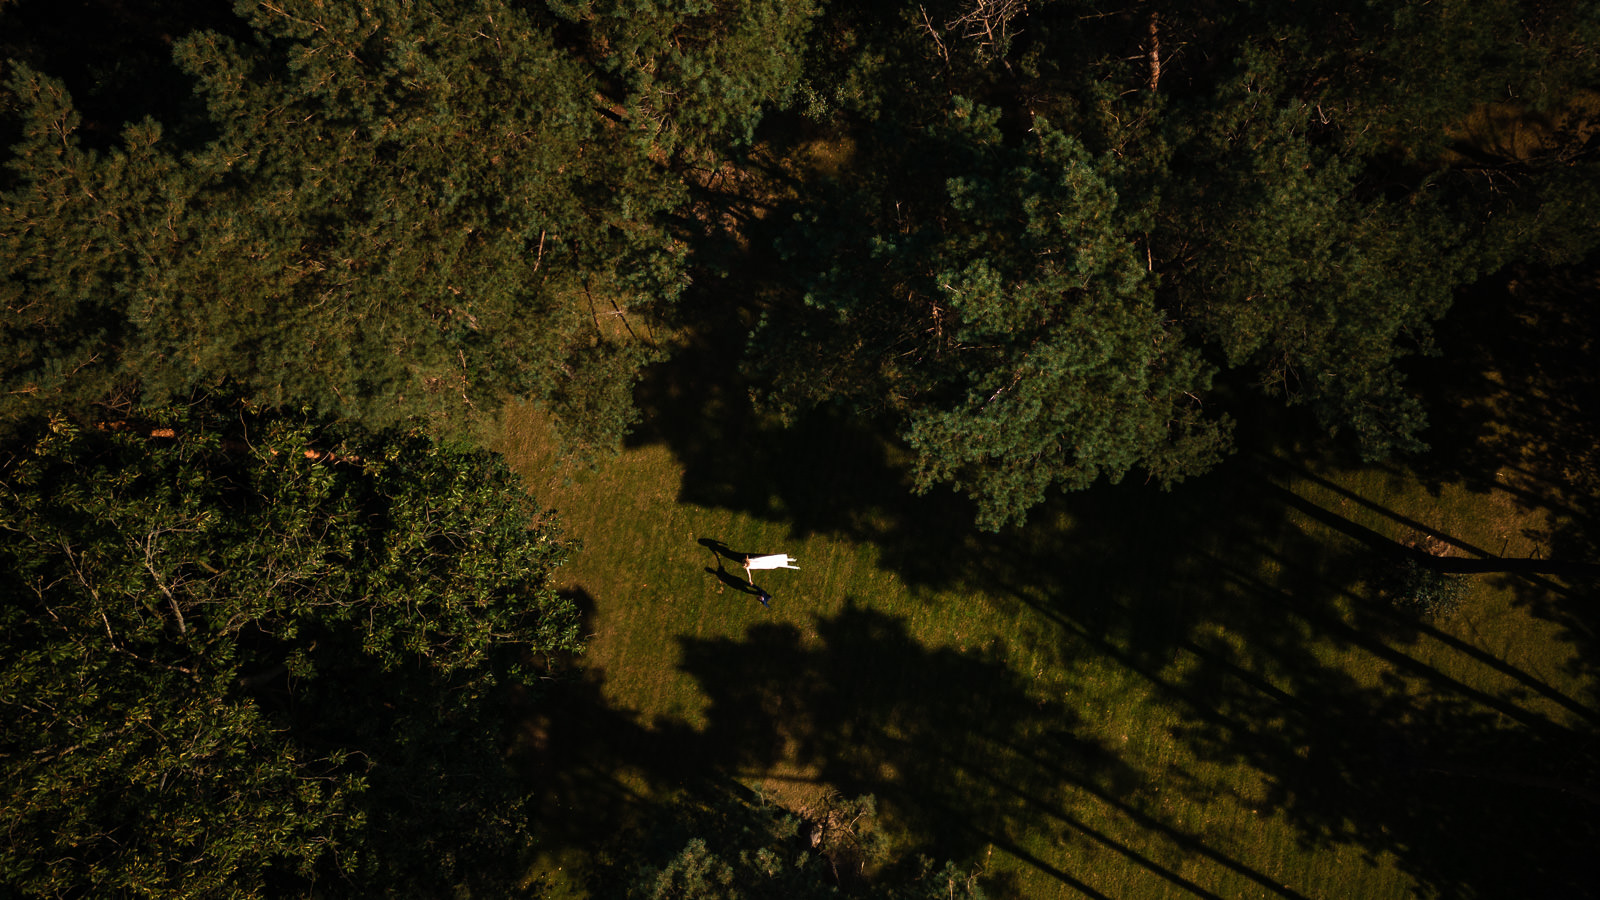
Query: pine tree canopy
point(1069, 276)
point(405, 210)
point(1059, 243)
point(1016, 335)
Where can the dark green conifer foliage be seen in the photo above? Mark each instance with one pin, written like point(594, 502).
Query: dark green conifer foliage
point(1311, 225)
point(76, 233)
point(1014, 333)
point(408, 209)
point(421, 208)
point(695, 74)
point(1400, 79)
point(1284, 205)
point(1274, 253)
point(260, 654)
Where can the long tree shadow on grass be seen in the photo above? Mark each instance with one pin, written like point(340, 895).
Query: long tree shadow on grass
point(1246, 624)
point(1464, 786)
point(1516, 407)
point(929, 732)
point(594, 768)
point(1450, 778)
point(1472, 792)
point(821, 475)
point(962, 748)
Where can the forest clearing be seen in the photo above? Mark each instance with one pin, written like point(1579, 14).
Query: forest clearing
point(893, 449)
point(1129, 697)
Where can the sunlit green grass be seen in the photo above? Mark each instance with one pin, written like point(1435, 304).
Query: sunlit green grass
point(1149, 628)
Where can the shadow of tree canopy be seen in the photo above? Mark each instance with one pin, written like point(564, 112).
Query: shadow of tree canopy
point(1472, 790)
point(593, 768)
point(870, 710)
point(1474, 794)
point(868, 698)
point(967, 753)
point(1517, 400)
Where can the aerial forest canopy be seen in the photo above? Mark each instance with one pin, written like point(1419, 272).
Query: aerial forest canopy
point(1061, 241)
point(304, 630)
point(268, 270)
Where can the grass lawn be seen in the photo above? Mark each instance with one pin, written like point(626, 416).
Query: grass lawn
point(1140, 694)
point(1214, 692)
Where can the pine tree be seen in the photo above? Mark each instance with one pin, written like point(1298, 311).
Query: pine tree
point(1013, 333)
point(1264, 204)
point(404, 210)
point(692, 75)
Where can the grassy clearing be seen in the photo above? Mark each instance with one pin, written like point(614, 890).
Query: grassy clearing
point(1139, 695)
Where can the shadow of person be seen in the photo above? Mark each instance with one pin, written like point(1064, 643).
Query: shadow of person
point(734, 581)
point(723, 551)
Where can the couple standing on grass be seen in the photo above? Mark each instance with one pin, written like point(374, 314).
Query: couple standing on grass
point(774, 561)
point(749, 561)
